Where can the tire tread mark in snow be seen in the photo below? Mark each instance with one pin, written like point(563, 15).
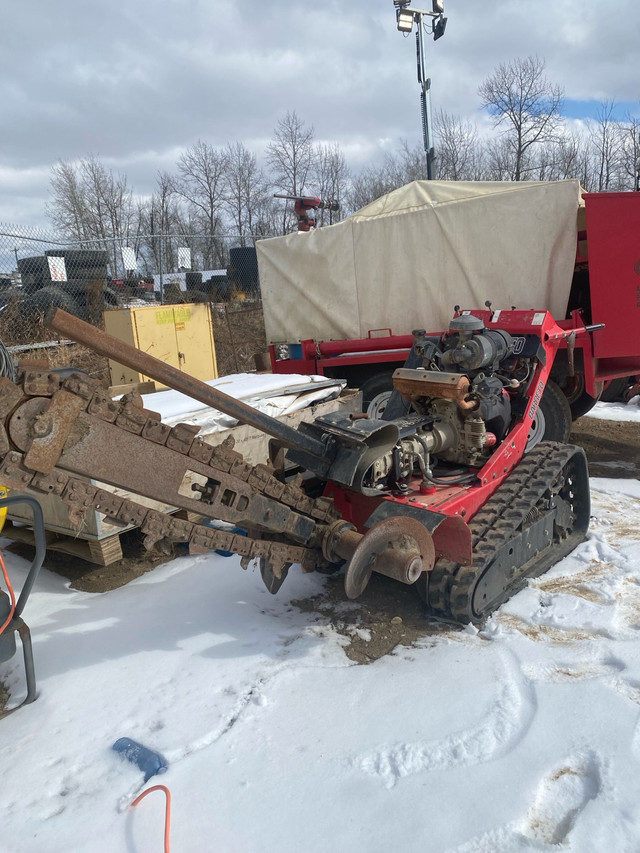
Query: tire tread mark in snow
point(505, 723)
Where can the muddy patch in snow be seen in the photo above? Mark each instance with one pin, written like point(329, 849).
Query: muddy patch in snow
point(612, 447)
point(387, 615)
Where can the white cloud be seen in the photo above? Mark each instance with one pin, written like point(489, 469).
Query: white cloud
point(136, 83)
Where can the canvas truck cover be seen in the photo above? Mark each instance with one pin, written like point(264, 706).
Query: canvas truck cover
point(405, 260)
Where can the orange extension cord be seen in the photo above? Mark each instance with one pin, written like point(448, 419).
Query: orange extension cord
point(11, 593)
point(167, 813)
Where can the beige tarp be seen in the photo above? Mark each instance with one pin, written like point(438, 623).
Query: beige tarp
point(407, 258)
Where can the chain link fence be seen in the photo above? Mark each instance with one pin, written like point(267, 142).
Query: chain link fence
point(39, 270)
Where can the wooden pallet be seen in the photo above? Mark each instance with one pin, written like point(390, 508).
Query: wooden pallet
point(101, 552)
point(147, 387)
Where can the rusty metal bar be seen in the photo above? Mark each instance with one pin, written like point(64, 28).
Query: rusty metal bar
point(106, 345)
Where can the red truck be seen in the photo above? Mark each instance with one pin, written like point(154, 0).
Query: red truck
point(602, 291)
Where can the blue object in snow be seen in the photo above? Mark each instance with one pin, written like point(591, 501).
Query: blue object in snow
point(150, 762)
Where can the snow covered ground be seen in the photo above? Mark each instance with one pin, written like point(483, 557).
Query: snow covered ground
point(523, 737)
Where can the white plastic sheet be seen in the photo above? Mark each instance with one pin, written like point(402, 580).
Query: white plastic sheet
point(274, 394)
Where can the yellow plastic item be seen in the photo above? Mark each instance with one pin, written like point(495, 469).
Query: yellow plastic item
point(3, 512)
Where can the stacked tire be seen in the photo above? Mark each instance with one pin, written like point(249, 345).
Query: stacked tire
point(85, 293)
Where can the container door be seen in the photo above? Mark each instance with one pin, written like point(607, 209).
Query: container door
point(155, 333)
point(194, 337)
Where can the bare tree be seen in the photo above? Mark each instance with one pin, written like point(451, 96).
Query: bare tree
point(606, 142)
point(526, 104)
point(331, 178)
point(408, 164)
point(245, 190)
point(67, 208)
point(90, 203)
point(396, 170)
point(459, 150)
point(164, 205)
point(201, 182)
point(290, 156)
point(630, 153)
point(500, 160)
point(163, 213)
point(370, 184)
point(267, 221)
point(571, 158)
point(112, 199)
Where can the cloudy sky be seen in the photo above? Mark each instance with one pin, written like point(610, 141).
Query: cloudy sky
point(135, 83)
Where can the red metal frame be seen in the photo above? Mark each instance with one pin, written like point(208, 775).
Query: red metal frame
point(316, 356)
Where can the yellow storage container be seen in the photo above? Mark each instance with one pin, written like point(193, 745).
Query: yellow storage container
point(179, 335)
